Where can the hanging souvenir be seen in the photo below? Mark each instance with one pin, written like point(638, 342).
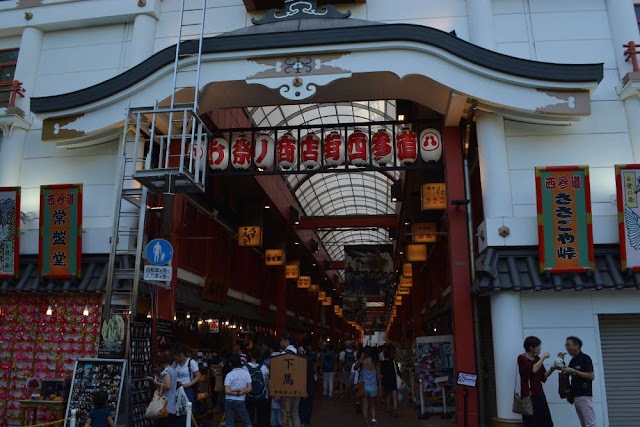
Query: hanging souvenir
point(406, 147)
point(264, 151)
point(430, 145)
point(358, 148)
point(310, 151)
point(381, 148)
point(287, 152)
point(333, 149)
point(241, 152)
point(219, 154)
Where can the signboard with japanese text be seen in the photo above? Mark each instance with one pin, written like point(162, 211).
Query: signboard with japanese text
point(565, 236)
point(304, 282)
point(322, 295)
point(628, 187)
point(214, 326)
point(424, 227)
point(61, 231)
point(398, 300)
point(417, 253)
point(288, 376)
point(250, 236)
point(402, 290)
point(157, 273)
point(406, 282)
point(434, 196)
point(292, 271)
point(407, 269)
point(274, 257)
point(9, 231)
point(327, 301)
point(314, 289)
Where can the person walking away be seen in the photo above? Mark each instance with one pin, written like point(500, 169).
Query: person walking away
point(289, 405)
point(388, 369)
point(328, 363)
point(258, 399)
point(167, 387)
point(237, 384)
point(370, 376)
point(187, 373)
point(581, 371)
point(100, 415)
point(347, 359)
point(306, 403)
point(532, 375)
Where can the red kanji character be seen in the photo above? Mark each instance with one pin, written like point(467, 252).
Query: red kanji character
point(61, 198)
point(407, 145)
point(217, 151)
point(381, 147)
point(286, 150)
point(262, 142)
point(576, 182)
point(550, 183)
point(51, 200)
point(357, 148)
point(70, 198)
point(310, 148)
point(563, 182)
point(333, 150)
point(241, 151)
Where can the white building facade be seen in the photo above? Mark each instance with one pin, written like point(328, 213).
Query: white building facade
point(67, 46)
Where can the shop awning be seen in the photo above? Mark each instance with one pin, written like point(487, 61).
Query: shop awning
point(93, 280)
point(519, 270)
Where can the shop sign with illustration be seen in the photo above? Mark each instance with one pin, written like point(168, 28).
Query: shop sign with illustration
point(288, 376)
point(628, 187)
point(564, 219)
point(60, 231)
point(9, 231)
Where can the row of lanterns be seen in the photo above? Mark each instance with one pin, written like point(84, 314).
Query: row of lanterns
point(241, 153)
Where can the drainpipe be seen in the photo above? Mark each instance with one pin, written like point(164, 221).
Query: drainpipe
point(472, 264)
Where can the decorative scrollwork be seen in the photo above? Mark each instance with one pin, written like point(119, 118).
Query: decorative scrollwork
point(301, 9)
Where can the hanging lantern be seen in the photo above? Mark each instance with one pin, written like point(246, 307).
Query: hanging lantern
point(358, 148)
point(333, 149)
point(198, 154)
point(241, 152)
point(264, 151)
point(310, 151)
point(219, 154)
point(407, 147)
point(287, 152)
point(381, 148)
point(430, 145)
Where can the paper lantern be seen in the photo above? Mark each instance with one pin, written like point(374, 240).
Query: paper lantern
point(381, 148)
point(219, 154)
point(430, 145)
point(287, 152)
point(264, 151)
point(333, 149)
point(241, 152)
point(406, 147)
point(358, 148)
point(198, 154)
point(310, 151)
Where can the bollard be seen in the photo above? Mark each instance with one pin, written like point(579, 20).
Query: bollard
point(189, 413)
point(72, 421)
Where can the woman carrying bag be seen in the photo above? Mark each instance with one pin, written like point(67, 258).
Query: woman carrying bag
point(165, 395)
point(532, 403)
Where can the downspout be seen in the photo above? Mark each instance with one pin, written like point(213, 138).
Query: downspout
point(472, 263)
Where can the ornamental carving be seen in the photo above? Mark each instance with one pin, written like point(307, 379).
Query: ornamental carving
point(299, 9)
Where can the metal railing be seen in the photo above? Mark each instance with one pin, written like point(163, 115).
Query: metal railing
point(9, 91)
point(631, 54)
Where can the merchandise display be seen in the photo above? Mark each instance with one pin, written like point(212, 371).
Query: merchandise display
point(141, 366)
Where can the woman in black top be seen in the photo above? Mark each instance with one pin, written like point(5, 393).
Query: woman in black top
point(388, 368)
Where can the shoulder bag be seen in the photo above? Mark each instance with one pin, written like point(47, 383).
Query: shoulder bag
point(157, 408)
point(521, 405)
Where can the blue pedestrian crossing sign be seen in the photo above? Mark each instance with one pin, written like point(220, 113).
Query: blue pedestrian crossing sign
point(159, 252)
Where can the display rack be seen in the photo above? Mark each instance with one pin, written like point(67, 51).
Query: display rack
point(141, 367)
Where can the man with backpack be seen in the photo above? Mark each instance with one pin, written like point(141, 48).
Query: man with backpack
point(328, 361)
point(257, 400)
point(347, 359)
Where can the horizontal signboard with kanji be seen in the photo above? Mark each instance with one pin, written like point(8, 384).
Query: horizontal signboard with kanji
point(61, 231)
point(565, 236)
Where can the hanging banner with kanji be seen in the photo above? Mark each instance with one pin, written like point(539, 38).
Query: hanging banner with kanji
point(565, 236)
point(60, 230)
point(628, 187)
point(9, 231)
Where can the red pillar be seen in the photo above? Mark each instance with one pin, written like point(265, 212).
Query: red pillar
point(315, 315)
point(417, 302)
point(281, 301)
point(459, 268)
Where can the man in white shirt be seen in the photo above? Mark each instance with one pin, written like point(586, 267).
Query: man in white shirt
point(290, 404)
point(237, 384)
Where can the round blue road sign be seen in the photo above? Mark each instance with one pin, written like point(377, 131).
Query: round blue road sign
point(159, 252)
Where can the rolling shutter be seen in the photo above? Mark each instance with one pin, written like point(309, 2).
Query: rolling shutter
point(620, 338)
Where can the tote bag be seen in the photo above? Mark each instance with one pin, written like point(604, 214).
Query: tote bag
point(521, 405)
point(157, 408)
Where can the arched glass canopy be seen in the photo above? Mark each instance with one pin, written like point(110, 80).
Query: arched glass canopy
point(338, 194)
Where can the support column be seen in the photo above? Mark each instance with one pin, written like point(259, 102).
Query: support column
point(417, 301)
point(481, 26)
point(508, 335)
point(281, 301)
point(459, 271)
point(142, 38)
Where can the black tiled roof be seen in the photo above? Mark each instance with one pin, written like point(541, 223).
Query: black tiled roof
point(93, 280)
point(519, 270)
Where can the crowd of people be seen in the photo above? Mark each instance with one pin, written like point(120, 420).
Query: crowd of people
point(357, 375)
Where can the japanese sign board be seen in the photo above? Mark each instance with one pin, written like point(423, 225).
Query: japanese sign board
point(322, 295)
point(407, 269)
point(157, 273)
point(628, 187)
point(417, 253)
point(402, 290)
point(304, 282)
point(424, 227)
point(434, 196)
point(406, 282)
point(250, 236)
point(274, 257)
point(398, 300)
point(9, 231)
point(292, 271)
point(565, 236)
point(314, 289)
point(214, 326)
point(61, 231)
point(327, 301)
point(288, 376)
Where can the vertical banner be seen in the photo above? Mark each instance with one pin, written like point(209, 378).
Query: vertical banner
point(60, 231)
point(628, 187)
point(9, 231)
point(565, 236)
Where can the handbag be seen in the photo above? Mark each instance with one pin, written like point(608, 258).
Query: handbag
point(181, 402)
point(521, 405)
point(157, 408)
point(359, 390)
point(400, 385)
